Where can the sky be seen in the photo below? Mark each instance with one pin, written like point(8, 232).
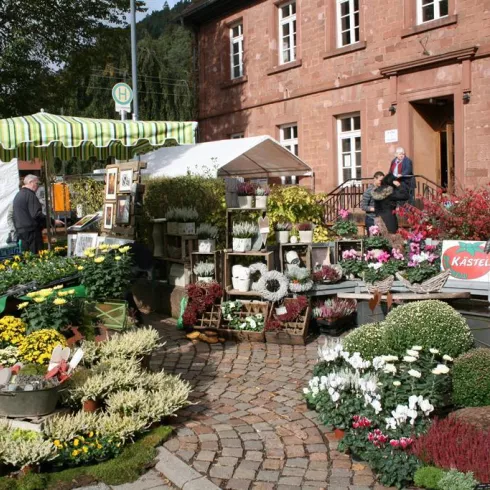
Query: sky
point(155, 5)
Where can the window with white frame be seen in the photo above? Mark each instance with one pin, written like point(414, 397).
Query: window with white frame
point(347, 22)
point(236, 50)
point(287, 32)
point(289, 137)
point(428, 10)
point(349, 147)
point(237, 136)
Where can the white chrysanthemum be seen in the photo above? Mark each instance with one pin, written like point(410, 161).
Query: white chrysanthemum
point(415, 373)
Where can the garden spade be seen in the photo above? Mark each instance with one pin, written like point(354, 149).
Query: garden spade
point(55, 357)
point(75, 360)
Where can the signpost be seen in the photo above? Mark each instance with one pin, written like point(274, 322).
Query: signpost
point(122, 94)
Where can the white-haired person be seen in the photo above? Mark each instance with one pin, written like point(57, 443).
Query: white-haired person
point(29, 219)
point(402, 168)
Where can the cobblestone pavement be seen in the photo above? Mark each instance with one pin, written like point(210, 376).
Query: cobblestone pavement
point(250, 428)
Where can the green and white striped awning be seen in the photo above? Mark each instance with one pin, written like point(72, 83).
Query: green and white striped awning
point(44, 135)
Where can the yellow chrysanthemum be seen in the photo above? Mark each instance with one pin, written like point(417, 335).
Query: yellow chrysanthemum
point(76, 442)
point(60, 286)
point(117, 257)
point(99, 260)
point(71, 291)
point(57, 443)
point(125, 249)
point(32, 294)
point(15, 265)
point(2, 267)
point(59, 301)
point(114, 246)
point(7, 262)
point(61, 294)
point(91, 434)
point(91, 255)
point(75, 452)
point(85, 449)
point(80, 267)
point(23, 305)
point(17, 258)
point(99, 446)
point(39, 299)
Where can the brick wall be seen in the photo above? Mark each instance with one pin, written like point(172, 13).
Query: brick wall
point(326, 84)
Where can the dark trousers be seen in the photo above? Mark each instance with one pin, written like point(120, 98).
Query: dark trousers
point(369, 221)
point(32, 241)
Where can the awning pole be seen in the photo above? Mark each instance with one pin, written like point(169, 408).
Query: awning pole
point(46, 197)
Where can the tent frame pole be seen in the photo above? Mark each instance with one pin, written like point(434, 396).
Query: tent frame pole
point(48, 200)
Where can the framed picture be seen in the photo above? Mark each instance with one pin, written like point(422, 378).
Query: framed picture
point(108, 215)
point(125, 180)
point(72, 244)
point(122, 210)
point(111, 184)
point(85, 222)
point(84, 241)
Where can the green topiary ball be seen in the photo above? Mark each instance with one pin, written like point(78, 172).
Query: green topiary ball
point(367, 340)
point(471, 379)
point(429, 324)
point(428, 477)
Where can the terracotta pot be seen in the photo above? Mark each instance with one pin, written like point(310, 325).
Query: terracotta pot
point(90, 405)
point(339, 434)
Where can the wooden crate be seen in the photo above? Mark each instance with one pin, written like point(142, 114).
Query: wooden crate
point(112, 314)
point(294, 333)
point(216, 259)
point(248, 308)
point(209, 320)
point(302, 249)
point(342, 245)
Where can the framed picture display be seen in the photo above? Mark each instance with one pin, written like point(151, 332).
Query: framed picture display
point(122, 210)
point(125, 180)
point(108, 215)
point(84, 241)
point(111, 184)
point(72, 244)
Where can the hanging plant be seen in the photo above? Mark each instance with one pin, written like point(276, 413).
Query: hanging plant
point(273, 286)
point(256, 272)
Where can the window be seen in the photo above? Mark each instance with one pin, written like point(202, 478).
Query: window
point(237, 136)
point(347, 22)
point(428, 10)
point(349, 147)
point(289, 137)
point(236, 50)
point(287, 32)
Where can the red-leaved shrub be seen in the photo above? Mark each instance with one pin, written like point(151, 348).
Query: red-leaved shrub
point(452, 443)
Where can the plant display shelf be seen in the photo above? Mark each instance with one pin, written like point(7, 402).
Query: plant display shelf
point(347, 244)
point(210, 319)
point(407, 296)
point(228, 286)
point(248, 308)
point(178, 248)
point(229, 223)
point(302, 249)
point(217, 261)
point(294, 333)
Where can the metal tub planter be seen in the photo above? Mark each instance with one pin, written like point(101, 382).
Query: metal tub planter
point(33, 403)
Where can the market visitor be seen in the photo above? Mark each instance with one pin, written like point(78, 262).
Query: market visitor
point(402, 167)
point(386, 197)
point(29, 219)
point(367, 202)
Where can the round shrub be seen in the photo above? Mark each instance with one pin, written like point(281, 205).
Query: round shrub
point(428, 477)
point(367, 340)
point(429, 324)
point(471, 379)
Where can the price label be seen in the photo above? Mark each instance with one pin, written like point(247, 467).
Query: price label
point(281, 310)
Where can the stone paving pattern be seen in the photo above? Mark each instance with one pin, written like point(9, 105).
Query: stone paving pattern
point(249, 427)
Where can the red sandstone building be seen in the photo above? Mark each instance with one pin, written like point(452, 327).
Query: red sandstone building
point(343, 83)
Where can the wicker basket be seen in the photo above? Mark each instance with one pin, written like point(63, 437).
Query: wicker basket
point(432, 285)
point(382, 287)
point(248, 308)
point(294, 333)
point(209, 320)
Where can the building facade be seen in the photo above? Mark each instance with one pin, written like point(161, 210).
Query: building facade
point(343, 83)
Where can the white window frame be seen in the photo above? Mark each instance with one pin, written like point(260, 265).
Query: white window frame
point(237, 136)
point(352, 16)
point(437, 11)
point(291, 37)
point(350, 135)
point(236, 40)
point(291, 144)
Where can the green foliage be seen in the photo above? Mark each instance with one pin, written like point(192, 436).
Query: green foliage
point(88, 193)
point(471, 379)
point(376, 241)
point(455, 480)
point(294, 204)
point(367, 340)
point(428, 477)
point(429, 324)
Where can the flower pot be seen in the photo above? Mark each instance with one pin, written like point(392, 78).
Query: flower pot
point(245, 202)
point(33, 403)
point(336, 326)
point(205, 279)
point(339, 434)
point(242, 244)
point(187, 229)
point(293, 239)
point(282, 236)
point(261, 202)
point(172, 228)
point(306, 236)
point(207, 246)
point(242, 285)
point(90, 405)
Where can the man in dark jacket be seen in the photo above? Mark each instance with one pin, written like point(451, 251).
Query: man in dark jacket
point(29, 219)
point(367, 202)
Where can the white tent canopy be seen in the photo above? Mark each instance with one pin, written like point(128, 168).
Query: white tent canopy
point(256, 157)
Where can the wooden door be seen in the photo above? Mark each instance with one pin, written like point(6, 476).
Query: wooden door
point(450, 156)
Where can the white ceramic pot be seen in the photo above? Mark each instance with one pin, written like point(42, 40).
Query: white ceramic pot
point(294, 239)
point(261, 202)
point(207, 246)
point(292, 257)
point(242, 244)
point(187, 229)
point(172, 227)
point(282, 236)
point(205, 279)
point(245, 202)
point(306, 236)
point(242, 285)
